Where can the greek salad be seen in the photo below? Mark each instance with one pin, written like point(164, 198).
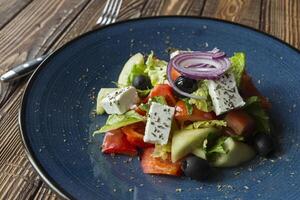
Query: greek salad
point(183, 117)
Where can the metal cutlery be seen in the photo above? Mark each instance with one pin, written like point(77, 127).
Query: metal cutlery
point(108, 16)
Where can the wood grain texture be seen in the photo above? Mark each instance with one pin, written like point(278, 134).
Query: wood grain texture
point(84, 22)
point(172, 7)
point(9, 9)
point(34, 29)
point(132, 9)
point(245, 12)
point(282, 19)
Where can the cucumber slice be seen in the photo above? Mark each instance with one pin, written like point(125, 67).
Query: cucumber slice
point(133, 60)
point(101, 94)
point(199, 152)
point(185, 141)
point(238, 153)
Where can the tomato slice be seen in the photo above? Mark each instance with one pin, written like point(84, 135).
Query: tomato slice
point(135, 133)
point(240, 122)
point(140, 111)
point(152, 165)
point(248, 89)
point(182, 115)
point(166, 91)
point(115, 142)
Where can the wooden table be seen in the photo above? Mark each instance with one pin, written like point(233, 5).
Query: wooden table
point(29, 28)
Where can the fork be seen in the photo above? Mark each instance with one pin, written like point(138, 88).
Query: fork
point(108, 16)
point(110, 12)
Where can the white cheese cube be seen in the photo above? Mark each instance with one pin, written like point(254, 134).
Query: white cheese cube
point(159, 123)
point(120, 101)
point(175, 53)
point(224, 94)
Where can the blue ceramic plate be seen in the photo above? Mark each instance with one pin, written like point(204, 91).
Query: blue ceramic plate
point(57, 121)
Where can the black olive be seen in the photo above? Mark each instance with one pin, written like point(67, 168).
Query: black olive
point(142, 82)
point(263, 144)
point(186, 84)
point(195, 168)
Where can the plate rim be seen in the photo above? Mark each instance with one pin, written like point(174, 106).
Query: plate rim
point(51, 183)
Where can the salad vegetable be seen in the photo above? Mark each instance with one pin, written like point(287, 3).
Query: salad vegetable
point(183, 117)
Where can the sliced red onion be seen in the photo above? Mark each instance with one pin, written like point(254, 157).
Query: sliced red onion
point(198, 65)
point(186, 63)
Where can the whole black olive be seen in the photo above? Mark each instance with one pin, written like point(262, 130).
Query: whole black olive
point(186, 84)
point(263, 144)
point(142, 82)
point(195, 168)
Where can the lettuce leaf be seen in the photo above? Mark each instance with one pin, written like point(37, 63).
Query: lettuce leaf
point(143, 93)
point(238, 64)
point(137, 69)
point(162, 151)
point(188, 106)
point(204, 105)
point(117, 121)
point(207, 124)
point(156, 70)
point(157, 99)
point(218, 147)
point(261, 117)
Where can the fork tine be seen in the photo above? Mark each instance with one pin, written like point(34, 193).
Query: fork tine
point(118, 7)
point(105, 10)
point(108, 13)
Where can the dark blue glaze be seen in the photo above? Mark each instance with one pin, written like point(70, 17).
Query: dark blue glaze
point(57, 122)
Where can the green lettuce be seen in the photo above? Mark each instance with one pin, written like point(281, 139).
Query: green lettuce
point(218, 147)
point(207, 124)
point(117, 121)
point(261, 117)
point(156, 70)
point(158, 99)
point(188, 106)
point(143, 93)
point(137, 69)
point(238, 64)
point(206, 104)
point(162, 151)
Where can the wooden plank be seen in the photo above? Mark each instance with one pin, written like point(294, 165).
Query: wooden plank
point(173, 7)
point(246, 12)
point(131, 9)
point(35, 28)
point(9, 9)
point(281, 18)
point(84, 22)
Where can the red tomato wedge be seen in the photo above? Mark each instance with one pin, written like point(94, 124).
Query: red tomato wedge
point(135, 133)
point(240, 122)
point(182, 115)
point(166, 91)
point(151, 165)
point(115, 142)
point(248, 89)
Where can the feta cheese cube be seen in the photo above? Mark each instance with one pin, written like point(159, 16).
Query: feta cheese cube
point(175, 53)
point(120, 101)
point(224, 94)
point(159, 123)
